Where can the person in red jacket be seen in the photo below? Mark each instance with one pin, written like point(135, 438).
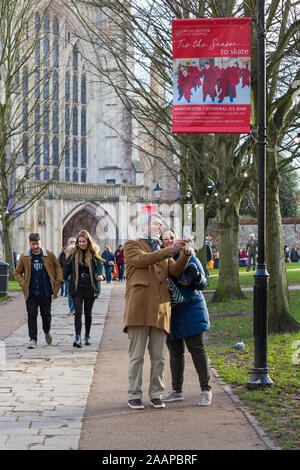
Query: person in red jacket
point(185, 85)
point(227, 82)
point(195, 75)
point(209, 81)
point(237, 73)
point(120, 260)
point(218, 74)
point(245, 76)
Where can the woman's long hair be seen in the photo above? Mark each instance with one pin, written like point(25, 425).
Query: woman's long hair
point(91, 250)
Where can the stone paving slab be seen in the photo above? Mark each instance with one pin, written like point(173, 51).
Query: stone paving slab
point(43, 391)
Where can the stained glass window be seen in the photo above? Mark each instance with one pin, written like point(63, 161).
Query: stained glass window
point(75, 120)
point(83, 154)
point(75, 88)
point(75, 176)
point(49, 92)
point(46, 151)
point(55, 86)
point(55, 119)
point(67, 119)
point(83, 122)
point(83, 89)
point(75, 153)
point(67, 86)
point(55, 151)
point(83, 176)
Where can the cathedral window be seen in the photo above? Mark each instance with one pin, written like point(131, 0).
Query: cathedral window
point(76, 163)
point(60, 109)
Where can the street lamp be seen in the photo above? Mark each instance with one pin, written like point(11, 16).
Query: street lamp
point(157, 192)
point(260, 377)
point(297, 138)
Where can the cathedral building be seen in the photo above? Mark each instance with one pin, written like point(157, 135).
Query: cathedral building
point(88, 144)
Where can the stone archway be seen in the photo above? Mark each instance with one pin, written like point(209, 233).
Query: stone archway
point(96, 221)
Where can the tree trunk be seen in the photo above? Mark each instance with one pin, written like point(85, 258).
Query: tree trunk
point(6, 230)
point(229, 282)
point(280, 319)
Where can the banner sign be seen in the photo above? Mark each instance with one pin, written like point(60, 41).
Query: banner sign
point(211, 75)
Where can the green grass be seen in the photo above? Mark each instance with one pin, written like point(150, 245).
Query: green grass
point(6, 297)
point(247, 279)
point(13, 286)
point(277, 409)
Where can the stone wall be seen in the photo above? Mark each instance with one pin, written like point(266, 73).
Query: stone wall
point(291, 231)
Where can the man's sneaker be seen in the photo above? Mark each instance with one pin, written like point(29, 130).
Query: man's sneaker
point(32, 344)
point(87, 341)
point(172, 396)
point(77, 342)
point(136, 404)
point(157, 403)
point(48, 338)
point(205, 398)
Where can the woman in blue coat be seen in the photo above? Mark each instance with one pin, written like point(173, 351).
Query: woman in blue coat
point(109, 262)
point(189, 321)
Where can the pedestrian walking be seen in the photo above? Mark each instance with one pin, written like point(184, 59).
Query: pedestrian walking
point(120, 260)
point(147, 309)
point(84, 269)
point(209, 254)
point(189, 321)
point(251, 250)
point(294, 255)
point(62, 259)
point(109, 263)
point(40, 276)
point(68, 249)
point(286, 254)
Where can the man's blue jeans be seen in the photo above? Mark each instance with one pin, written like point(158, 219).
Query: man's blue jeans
point(70, 300)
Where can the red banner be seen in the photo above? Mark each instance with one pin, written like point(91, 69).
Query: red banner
point(211, 75)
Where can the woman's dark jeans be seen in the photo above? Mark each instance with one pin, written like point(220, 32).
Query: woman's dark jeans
point(196, 348)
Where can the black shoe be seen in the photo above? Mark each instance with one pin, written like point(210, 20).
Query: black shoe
point(77, 342)
point(87, 341)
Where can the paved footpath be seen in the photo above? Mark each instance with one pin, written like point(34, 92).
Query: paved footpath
point(43, 391)
point(58, 397)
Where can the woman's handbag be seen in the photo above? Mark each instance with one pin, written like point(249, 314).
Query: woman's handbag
point(175, 296)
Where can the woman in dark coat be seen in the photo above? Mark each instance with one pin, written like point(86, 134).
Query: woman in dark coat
point(189, 321)
point(85, 270)
point(120, 260)
point(109, 263)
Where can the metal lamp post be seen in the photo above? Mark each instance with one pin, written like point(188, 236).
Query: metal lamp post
point(157, 192)
point(260, 376)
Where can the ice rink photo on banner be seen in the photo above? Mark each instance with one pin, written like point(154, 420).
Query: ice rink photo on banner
point(189, 87)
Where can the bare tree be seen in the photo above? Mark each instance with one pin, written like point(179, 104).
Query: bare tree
point(29, 111)
point(135, 35)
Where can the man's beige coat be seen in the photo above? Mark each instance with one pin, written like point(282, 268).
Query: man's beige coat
point(147, 286)
point(52, 266)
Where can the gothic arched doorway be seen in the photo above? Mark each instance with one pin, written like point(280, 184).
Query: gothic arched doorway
point(96, 221)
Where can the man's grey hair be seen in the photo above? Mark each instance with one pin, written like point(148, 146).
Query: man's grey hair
point(147, 217)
